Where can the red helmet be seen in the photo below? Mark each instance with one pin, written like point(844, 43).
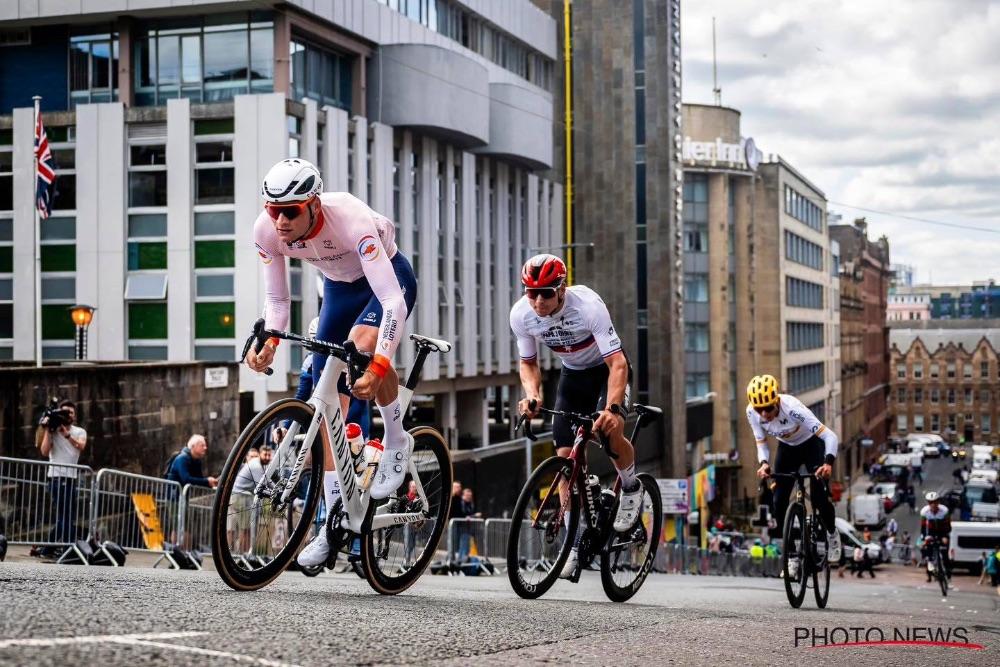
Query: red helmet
point(543, 271)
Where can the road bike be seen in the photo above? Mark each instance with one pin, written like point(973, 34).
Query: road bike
point(936, 568)
point(547, 517)
point(253, 539)
point(804, 546)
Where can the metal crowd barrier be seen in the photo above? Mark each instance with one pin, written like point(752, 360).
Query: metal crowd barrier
point(902, 553)
point(681, 559)
point(194, 530)
point(139, 513)
point(495, 542)
point(45, 504)
point(462, 534)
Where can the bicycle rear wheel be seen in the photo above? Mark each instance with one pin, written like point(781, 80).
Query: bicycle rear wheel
point(819, 548)
point(541, 536)
point(393, 558)
point(628, 556)
point(794, 553)
point(253, 536)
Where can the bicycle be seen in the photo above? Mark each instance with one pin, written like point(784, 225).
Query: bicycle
point(936, 565)
point(547, 515)
point(255, 534)
point(805, 546)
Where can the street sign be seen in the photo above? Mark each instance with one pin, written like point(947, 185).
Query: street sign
point(216, 378)
point(675, 494)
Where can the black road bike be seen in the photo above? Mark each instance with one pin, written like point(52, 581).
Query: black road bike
point(804, 547)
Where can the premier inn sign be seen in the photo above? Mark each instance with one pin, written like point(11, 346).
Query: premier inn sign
point(744, 155)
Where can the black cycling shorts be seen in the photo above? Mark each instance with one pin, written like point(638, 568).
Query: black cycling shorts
point(583, 392)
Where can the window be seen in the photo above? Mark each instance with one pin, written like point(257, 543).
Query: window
point(803, 209)
point(213, 175)
point(801, 251)
point(984, 369)
point(818, 409)
point(696, 287)
point(918, 371)
point(984, 397)
point(951, 421)
point(806, 377)
point(918, 395)
point(901, 423)
point(918, 423)
point(951, 397)
point(901, 394)
point(695, 337)
point(803, 335)
point(968, 395)
point(209, 59)
point(935, 422)
point(321, 74)
point(900, 371)
point(966, 369)
point(985, 423)
point(802, 293)
point(934, 396)
point(935, 369)
point(696, 384)
point(93, 68)
point(951, 369)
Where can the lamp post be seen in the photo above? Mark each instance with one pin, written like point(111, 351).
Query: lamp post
point(82, 316)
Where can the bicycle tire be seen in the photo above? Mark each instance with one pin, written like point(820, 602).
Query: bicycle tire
point(942, 576)
point(426, 439)
point(821, 562)
point(542, 478)
point(238, 577)
point(795, 511)
point(615, 591)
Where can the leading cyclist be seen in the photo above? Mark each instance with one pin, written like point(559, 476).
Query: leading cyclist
point(574, 323)
point(368, 291)
point(935, 527)
point(802, 439)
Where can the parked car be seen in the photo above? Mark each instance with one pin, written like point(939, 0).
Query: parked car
point(976, 491)
point(890, 492)
point(931, 450)
point(850, 539)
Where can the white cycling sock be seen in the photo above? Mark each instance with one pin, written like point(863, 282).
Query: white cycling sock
point(629, 481)
point(331, 488)
point(392, 418)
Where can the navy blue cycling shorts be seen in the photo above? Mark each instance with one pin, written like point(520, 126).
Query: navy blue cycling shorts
point(347, 304)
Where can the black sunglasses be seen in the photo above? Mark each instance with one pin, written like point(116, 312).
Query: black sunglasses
point(766, 409)
point(544, 292)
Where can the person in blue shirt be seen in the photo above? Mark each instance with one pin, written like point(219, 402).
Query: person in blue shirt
point(187, 466)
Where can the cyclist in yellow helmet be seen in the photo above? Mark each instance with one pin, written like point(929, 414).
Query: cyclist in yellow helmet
point(802, 440)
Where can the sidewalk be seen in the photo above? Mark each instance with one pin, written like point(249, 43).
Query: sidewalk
point(18, 553)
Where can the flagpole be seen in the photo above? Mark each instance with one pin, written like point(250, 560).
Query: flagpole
point(38, 246)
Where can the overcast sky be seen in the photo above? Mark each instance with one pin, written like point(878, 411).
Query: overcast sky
point(892, 105)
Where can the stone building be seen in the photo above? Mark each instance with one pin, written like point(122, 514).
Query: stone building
point(864, 346)
point(944, 379)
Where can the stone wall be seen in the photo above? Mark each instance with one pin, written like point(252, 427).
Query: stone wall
point(135, 415)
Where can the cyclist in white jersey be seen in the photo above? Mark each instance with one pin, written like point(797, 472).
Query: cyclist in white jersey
point(802, 440)
point(369, 290)
point(574, 323)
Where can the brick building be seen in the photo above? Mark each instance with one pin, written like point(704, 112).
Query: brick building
point(865, 275)
point(944, 379)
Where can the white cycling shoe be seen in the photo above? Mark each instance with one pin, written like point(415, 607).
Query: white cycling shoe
point(316, 552)
point(629, 509)
point(391, 470)
point(836, 549)
point(571, 563)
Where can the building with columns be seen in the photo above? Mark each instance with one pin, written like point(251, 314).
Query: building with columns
point(759, 288)
point(164, 119)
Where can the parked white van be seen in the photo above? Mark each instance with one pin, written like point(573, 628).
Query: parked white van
point(868, 510)
point(969, 539)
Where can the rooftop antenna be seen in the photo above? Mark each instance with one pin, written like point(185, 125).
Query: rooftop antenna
point(715, 73)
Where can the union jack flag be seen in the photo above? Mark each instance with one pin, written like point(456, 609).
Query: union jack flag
point(45, 181)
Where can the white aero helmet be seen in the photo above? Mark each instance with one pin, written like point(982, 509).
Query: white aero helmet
point(291, 180)
point(313, 327)
point(932, 496)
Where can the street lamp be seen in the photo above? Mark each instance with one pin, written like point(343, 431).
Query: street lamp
point(82, 316)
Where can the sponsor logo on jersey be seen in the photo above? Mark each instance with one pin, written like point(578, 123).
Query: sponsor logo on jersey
point(264, 257)
point(368, 248)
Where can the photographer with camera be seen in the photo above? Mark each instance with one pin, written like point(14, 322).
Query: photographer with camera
point(62, 442)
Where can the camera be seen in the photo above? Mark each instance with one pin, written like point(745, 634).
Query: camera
point(54, 417)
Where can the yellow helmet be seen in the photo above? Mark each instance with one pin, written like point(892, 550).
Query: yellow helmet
point(762, 391)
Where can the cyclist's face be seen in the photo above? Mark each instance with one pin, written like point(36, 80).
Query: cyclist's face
point(767, 412)
point(292, 222)
point(544, 301)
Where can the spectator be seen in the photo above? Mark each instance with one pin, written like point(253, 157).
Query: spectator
point(866, 536)
point(456, 500)
point(993, 567)
point(63, 445)
point(892, 527)
point(911, 499)
point(240, 503)
point(757, 550)
point(187, 467)
point(465, 533)
point(862, 562)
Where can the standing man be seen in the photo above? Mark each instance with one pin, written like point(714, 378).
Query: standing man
point(63, 445)
point(574, 323)
point(369, 289)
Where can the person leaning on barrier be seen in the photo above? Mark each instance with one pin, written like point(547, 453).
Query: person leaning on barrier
point(465, 532)
point(187, 467)
point(62, 444)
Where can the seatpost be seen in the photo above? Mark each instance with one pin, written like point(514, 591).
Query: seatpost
point(418, 365)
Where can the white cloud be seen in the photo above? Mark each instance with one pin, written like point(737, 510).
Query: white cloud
point(890, 105)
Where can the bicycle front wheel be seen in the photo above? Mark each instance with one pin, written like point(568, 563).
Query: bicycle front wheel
point(794, 552)
point(819, 547)
point(254, 535)
point(942, 576)
point(628, 556)
point(393, 558)
point(542, 528)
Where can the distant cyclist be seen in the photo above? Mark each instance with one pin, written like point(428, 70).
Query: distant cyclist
point(575, 324)
point(802, 440)
point(368, 291)
point(935, 523)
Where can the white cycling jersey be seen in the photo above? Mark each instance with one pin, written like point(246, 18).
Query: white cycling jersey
point(793, 425)
point(580, 333)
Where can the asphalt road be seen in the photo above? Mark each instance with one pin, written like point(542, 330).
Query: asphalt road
point(71, 615)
